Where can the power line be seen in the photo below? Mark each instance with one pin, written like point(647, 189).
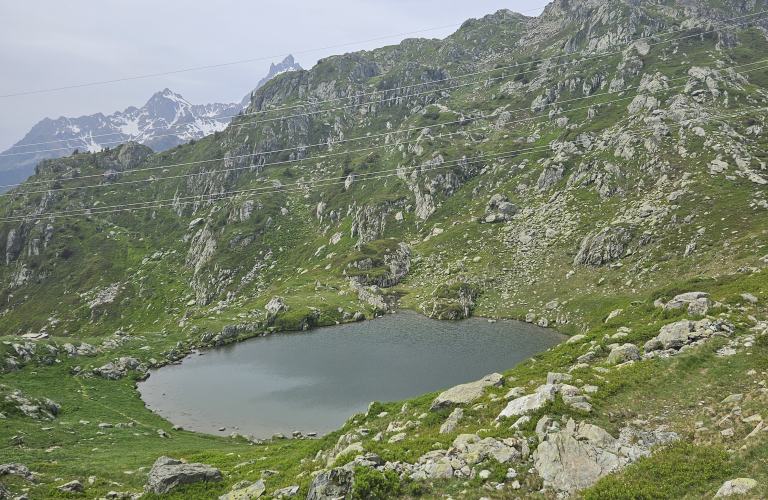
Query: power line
point(297, 185)
point(250, 155)
point(360, 96)
point(245, 192)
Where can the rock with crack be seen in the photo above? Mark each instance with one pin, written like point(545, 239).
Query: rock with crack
point(336, 484)
point(452, 422)
point(466, 393)
point(604, 247)
point(167, 474)
point(577, 456)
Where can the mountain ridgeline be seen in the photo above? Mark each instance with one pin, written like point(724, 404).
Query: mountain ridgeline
point(600, 169)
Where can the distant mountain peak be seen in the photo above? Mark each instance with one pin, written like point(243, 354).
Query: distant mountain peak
point(165, 120)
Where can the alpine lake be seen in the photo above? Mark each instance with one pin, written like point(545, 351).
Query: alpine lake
point(314, 381)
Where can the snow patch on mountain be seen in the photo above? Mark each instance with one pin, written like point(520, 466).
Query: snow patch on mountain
point(166, 120)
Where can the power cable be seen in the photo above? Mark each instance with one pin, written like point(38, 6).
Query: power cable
point(296, 186)
point(346, 140)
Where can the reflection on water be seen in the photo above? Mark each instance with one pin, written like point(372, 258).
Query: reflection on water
point(316, 380)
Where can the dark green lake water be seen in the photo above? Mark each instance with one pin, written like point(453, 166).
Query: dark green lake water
point(316, 380)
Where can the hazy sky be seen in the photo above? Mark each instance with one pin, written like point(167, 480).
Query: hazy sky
point(48, 43)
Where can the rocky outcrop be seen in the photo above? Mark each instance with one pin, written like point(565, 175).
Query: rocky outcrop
point(577, 456)
point(697, 302)
point(14, 245)
point(336, 484)
point(18, 469)
point(499, 209)
point(681, 334)
point(126, 157)
point(118, 369)
point(275, 307)
point(604, 247)
point(167, 474)
point(451, 302)
point(34, 408)
point(466, 393)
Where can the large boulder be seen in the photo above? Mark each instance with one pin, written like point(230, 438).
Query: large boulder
point(675, 335)
point(466, 393)
point(624, 353)
point(699, 307)
point(473, 450)
point(525, 404)
point(336, 484)
point(167, 474)
point(576, 457)
point(684, 299)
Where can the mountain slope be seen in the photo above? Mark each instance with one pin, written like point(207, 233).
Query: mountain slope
point(165, 121)
point(583, 170)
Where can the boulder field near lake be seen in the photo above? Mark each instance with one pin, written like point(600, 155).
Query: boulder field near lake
point(599, 169)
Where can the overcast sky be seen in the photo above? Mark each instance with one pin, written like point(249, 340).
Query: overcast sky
point(49, 43)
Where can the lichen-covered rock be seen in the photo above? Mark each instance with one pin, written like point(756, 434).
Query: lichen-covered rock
point(167, 474)
point(737, 486)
